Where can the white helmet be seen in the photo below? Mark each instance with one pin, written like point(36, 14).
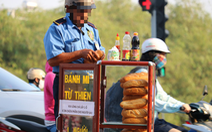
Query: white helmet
point(35, 73)
point(154, 44)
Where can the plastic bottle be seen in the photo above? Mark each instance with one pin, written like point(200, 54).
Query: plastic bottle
point(117, 44)
point(126, 47)
point(135, 50)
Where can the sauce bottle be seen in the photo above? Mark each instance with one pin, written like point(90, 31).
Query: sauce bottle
point(135, 50)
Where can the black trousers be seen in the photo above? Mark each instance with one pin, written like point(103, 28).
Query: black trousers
point(162, 126)
point(56, 95)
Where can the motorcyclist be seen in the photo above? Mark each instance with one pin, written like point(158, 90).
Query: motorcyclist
point(36, 77)
point(155, 50)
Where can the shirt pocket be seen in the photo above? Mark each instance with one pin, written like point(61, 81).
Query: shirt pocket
point(72, 45)
point(91, 44)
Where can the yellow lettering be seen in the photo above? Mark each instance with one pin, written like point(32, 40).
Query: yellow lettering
point(88, 95)
point(83, 129)
point(78, 129)
point(82, 95)
point(76, 79)
point(70, 79)
point(66, 78)
point(68, 94)
point(76, 94)
point(85, 79)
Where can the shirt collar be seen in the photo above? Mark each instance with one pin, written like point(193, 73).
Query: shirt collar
point(32, 84)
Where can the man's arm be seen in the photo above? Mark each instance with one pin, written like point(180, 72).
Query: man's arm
point(67, 57)
point(167, 104)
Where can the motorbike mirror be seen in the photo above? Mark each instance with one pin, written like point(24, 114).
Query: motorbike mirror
point(210, 102)
point(205, 91)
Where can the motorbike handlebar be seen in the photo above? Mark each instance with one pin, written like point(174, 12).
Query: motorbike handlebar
point(182, 108)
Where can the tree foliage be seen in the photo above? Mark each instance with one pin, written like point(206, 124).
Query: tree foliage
point(21, 40)
point(189, 64)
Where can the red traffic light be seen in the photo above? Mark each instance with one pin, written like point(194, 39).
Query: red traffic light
point(145, 4)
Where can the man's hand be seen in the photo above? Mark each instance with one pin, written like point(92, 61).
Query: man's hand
point(98, 53)
point(101, 54)
point(90, 55)
point(187, 108)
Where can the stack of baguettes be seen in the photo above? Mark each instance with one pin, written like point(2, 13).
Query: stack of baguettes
point(134, 104)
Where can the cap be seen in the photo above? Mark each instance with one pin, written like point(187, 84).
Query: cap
point(81, 4)
point(117, 37)
point(127, 32)
point(135, 33)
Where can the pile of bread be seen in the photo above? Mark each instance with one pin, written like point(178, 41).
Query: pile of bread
point(134, 104)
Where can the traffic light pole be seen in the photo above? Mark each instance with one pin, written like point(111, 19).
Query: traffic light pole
point(157, 10)
point(154, 24)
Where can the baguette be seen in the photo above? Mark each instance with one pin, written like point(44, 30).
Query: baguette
point(134, 113)
point(140, 120)
point(135, 91)
point(134, 130)
point(134, 83)
point(131, 97)
point(133, 104)
point(134, 76)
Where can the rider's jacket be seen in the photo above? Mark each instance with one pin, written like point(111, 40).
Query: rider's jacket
point(164, 103)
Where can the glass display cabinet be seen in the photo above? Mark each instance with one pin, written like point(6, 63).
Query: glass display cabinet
point(83, 92)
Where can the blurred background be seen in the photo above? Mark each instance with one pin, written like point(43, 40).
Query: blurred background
point(189, 66)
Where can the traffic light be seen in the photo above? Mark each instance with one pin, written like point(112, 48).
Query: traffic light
point(161, 19)
point(146, 5)
point(159, 16)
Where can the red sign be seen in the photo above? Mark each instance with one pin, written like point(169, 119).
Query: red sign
point(147, 3)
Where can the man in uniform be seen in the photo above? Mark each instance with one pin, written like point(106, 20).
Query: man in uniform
point(72, 39)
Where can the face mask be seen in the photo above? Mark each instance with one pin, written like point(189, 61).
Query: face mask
point(41, 84)
point(160, 61)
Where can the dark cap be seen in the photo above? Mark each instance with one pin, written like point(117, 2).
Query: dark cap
point(81, 4)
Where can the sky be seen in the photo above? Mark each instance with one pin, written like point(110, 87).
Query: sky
point(48, 4)
point(45, 4)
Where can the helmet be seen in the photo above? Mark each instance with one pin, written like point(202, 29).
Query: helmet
point(81, 4)
point(154, 44)
point(35, 73)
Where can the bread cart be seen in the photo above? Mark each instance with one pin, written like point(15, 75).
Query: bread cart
point(82, 91)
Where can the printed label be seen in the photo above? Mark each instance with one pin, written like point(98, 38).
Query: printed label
point(135, 55)
point(113, 55)
point(126, 54)
point(118, 47)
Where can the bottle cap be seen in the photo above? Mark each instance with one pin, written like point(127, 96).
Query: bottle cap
point(127, 32)
point(135, 34)
point(117, 37)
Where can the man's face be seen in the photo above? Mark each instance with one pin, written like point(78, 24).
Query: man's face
point(80, 16)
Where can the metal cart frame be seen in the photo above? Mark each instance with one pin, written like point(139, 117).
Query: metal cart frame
point(99, 86)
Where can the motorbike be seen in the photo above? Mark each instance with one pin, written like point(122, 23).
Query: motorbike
point(200, 116)
point(10, 124)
